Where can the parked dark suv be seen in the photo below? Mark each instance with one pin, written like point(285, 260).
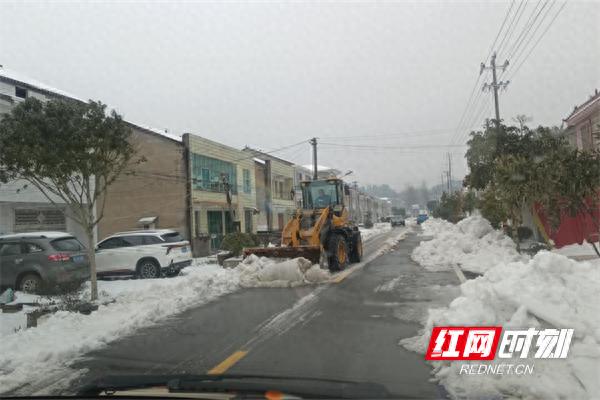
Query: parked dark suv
point(40, 261)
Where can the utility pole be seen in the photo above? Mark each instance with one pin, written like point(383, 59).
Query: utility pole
point(313, 142)
point(442, 187)
point(495, 85)
point(449, 173)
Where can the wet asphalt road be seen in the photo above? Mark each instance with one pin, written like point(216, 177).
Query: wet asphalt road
point(346, 330)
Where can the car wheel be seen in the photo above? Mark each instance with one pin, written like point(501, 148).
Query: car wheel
point(30, 283)
point(148, 269)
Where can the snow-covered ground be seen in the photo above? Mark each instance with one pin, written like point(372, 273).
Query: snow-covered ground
point(378, 228)
point(472, 244)
point(127, 305)
point(62, 336)
point(548, 290)
point(263, 272)
point(578, 251)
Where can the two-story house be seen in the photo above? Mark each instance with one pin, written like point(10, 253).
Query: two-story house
point(583, 124)
point(150, 195)
point(221, 189)
point(276, 202)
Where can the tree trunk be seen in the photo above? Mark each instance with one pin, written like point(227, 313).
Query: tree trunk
point(91, 251)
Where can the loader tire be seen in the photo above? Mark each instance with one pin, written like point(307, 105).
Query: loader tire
point(338, 252)
point(356, 253)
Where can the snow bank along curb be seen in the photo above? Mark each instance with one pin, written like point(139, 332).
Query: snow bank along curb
point(472, 244)
point(65, 335)
point(546, 291)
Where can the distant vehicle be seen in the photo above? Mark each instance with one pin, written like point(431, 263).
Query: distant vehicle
point(422, 218)
point(397, 220)
point(143, 253)
point(38, 261)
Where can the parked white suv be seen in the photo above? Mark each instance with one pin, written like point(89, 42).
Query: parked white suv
point(143, 253)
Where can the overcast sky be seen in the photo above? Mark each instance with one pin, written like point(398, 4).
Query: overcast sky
point(393, 75)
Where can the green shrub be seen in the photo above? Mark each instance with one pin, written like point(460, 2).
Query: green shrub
point(236, 241)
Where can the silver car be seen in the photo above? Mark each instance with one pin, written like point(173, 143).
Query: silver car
point(42, 261)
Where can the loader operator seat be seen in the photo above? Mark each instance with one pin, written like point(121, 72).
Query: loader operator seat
point(323, 200)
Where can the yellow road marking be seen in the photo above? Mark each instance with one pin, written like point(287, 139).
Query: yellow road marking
point(343, 275)
point(228, 362)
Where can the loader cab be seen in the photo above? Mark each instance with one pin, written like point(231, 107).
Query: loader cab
point(323, 193)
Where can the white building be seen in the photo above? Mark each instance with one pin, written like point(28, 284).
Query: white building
point(23, 208)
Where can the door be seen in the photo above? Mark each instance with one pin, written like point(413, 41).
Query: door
point(248, 221)
point(110, 255)
point(11, 259)
point(215, 228)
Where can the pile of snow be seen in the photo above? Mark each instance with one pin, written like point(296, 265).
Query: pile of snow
point(578, 250)
point(63, 336)
point(378, 228)
point(257, 271)
point(548, 290)
point(472, 244)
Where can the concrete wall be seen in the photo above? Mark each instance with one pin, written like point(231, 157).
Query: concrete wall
point(156, 189)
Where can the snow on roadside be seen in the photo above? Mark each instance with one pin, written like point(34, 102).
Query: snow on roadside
point(472, 244)
point(63, 336)
point(549, 290)
point(264, 272)
point(584, 249)
point(516, 292)
point(378, 228)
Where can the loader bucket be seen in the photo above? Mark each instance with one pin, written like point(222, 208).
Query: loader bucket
point(312, 253)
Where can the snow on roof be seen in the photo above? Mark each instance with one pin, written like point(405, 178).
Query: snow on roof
point(24, 80)
point(20, 78)
point(595, 98)
point(46, 234)
point(258, 160)
point(319, 167)
point(172, 136)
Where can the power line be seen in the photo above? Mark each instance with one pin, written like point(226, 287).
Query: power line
point(512, 3)
point(517, 13)
point(538, 40)
point(472, 104)
point(526, 28)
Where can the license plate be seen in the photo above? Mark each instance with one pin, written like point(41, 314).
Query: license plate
point(184, 249)
point(78, 259)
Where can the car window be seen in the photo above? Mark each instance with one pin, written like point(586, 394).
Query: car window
point(113, 243)
point(10, 249)
point(67, 244)
point(172, 237)
point(133, 240)
point(32, 248)
point(151, 240)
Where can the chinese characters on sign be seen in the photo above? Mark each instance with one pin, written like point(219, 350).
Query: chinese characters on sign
point(481, 343)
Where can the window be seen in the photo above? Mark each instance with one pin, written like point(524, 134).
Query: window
point(113, 243)
point(20, 92)
point(247, 182)
point(172, 237)
point(32, 248)
point(208, 174)
point(248, 221)
point(134, 240)
point(67, 244)
point(39, 219)
point(10, 249)
point(151, 240)
point(205, 178)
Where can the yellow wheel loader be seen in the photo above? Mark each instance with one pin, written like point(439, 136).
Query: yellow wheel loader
point(320, 230)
